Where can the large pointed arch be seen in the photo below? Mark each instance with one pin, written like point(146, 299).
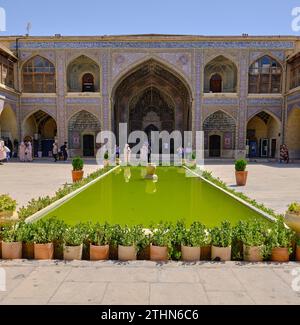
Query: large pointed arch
point(226, 70)
point(151, 76)
point(219, 135)
point(78, 70)
point(38, 75)
point(83, 127)
point(263, 134)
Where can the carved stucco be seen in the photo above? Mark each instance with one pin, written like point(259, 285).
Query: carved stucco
point(71, 111)
point(252, 111)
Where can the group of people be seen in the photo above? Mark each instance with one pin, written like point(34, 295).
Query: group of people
point(284, 154)
point(60, 154)
point(25, 151)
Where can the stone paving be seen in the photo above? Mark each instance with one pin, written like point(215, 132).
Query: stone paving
point(24, 181)
point(276, 185)
point(144, 282)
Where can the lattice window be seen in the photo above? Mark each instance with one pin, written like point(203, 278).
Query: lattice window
point(265, 76)
point(38, 76)
point(6, 71)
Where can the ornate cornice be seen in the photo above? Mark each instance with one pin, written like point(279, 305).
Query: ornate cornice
point(156, 44)
point(264, 102)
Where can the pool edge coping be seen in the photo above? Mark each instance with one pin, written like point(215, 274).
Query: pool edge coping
point(38, 215)
point(252, 207)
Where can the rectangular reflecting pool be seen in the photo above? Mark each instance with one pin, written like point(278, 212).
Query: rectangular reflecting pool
point(124, 196)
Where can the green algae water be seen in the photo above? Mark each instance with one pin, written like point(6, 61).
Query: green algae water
point(125, 197)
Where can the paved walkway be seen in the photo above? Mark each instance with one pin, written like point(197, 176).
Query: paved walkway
point(109, 283)
point(24, 181)
point(275, 185)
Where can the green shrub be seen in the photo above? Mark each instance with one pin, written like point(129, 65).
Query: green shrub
point(7, 203)
point(77, 163)
point(100, 234)
point(294, 207)
point(162, 235)
point(280, 236)
point(222, 236)
point(34, 206)
point(49, 231)
point(74, 235)
point(251, 233)
point(133, 236)
point(27, 232)
point(12, 233)
point(106, 156)
point(240, 165)
point(195, 236)
point(193, 156)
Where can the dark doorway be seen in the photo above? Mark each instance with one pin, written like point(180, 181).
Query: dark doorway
point(216, 83)
point(215, 146)
point(273, 148)
point(88, 83)
point(88, 145)
point(148, 131)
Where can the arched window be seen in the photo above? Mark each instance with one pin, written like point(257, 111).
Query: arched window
point(265, 76)
point(88, 83)
point(215, 83)
point(38, 76)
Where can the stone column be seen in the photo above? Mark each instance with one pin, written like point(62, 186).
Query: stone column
point(196, 113)
point(61, 119)
point(105, 111)
point(240, 150)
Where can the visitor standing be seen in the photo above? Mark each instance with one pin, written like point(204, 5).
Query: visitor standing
point(28, 151)
point(2, 152)
point(284, 154)
point(55, 151)
point(64, 151)
point(22, 151)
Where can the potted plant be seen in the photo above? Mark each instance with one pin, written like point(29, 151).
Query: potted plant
point(161, 242)
point(45, 233)
point(292, 216)
point(221, 238)
point(11, 242)
point(191, 163)
point(279, 241)
point(77, 172)
point(73, 243)
point(99, 239)
point(7, 206)
point(192, 240)
point(131, 240)
point(240, 172)
point(253, 236)
point(27, 237)
point(106, 159)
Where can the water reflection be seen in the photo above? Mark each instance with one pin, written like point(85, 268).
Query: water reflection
point(127, 174)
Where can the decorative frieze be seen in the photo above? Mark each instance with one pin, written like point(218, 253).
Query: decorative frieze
point(85, 100)
point(220, 101)
point(158, 44)
point(38, 100)
point(264, 101)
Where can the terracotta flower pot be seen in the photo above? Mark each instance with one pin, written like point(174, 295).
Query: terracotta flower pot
point(28, 251)
point(73, 253)
point(127, 253)
point(77, 175)
point(220, 253)
point(298, 254)
point(158, 253)
point(253, 253)
point(0, 249)
point(105, 162)
point(205, 253)
point(241, 178)
point(11, 251)
point(190, 254)
point(98, 253)
point(280, 255)
point(43, 251)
